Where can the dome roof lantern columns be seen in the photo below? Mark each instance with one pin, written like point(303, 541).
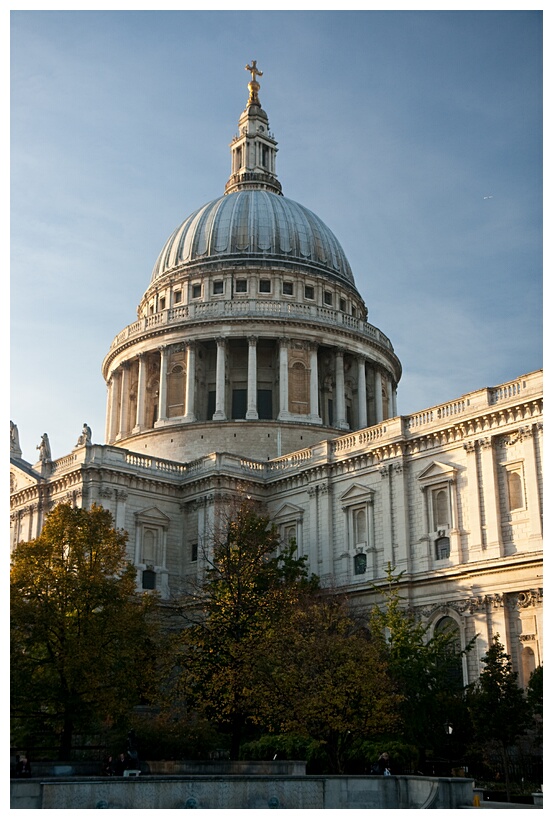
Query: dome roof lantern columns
point(253, 150)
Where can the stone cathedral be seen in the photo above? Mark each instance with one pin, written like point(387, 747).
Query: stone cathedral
point(251, 370)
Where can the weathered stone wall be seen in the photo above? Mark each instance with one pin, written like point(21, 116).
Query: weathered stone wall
point(239, 792)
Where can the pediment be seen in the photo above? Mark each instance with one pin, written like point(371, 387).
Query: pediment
point(288, 510)
point(357, 492)
point(152, 515)
point(22, 475)
point(437, 471)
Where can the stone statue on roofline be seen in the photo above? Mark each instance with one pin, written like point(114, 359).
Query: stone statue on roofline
point(85, 438)
point(15, 448)
point(44, 451)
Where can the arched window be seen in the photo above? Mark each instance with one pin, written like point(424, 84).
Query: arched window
point(528, 664)
point(360, 526)
point(299, 389)
point(175, 391)
point(440, 506)
point(149, 547)
point(515, 491)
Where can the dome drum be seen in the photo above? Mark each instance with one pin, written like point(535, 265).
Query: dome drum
point(252, 322)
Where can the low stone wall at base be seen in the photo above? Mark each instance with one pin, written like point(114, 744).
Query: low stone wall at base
point(241, 792)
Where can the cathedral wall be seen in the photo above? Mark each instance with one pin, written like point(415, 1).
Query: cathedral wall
point(257, 440)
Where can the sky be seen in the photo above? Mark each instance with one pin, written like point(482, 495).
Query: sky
point(416, 136)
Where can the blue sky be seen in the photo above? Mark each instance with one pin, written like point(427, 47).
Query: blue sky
point(392, 126)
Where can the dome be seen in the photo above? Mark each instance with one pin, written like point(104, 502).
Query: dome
point(250, 227)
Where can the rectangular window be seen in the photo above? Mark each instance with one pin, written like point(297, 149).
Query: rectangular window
point(239, 403)
point(241, 286)
point(265, 404)
point(196, 291)
point(343, 305)
point(217, 288)
point(264, 285)
point(194, 552)
point(309, 291)
point(328, 297)
point(287, 289)
point(210, 404)
point(162, 303)
point(148, 579)
point(177, 296)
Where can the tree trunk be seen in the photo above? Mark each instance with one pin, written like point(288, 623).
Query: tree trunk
point(506, 771)
point(66, 738)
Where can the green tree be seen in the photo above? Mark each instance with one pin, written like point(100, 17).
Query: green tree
point(323, 679)
point(80, 641)
point(498, 708)
point(249, 585)
point(425, 671)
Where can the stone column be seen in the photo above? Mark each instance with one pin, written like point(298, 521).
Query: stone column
point(341, 422)
point(141, 397)
point(362, 392)
point(109, 410)
point(314, 415)
point(190, 389)
point(394, 400)
point(456, 552)
point(283, 370)
point(252, 414)
point(531, 480)
point(124, 401)
point(220, 398)
point(162, 408)
point(387, 521)
point(473, 498)
point(390, 393)
point(494, 546)
point(403, 561)
point(378, 396)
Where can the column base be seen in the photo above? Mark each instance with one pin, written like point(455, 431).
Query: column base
point(252, 415)
point(189, 419)
point(219, 415)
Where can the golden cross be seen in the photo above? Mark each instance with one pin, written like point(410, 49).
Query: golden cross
point(253, 70)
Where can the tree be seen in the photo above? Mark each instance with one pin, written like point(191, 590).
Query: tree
point(321, 678)
point(249, 585)
point(79, 635)
point(425, 670)
point(498, 709)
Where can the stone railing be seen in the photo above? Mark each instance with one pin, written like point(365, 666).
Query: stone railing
point(248, 308)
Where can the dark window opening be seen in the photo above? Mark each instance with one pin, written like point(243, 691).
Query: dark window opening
point(217, 288)
point(194, 552)
point(177, 296)
point(328, 297)
point(309, 292)
point(148, 579)
point(265, 404)
point(196, 291)
point(360, 564)
point(239, 403)
point(210, 404)
point(442, 548)
point(265, 286)
point(241, 286)
point(288, 288)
